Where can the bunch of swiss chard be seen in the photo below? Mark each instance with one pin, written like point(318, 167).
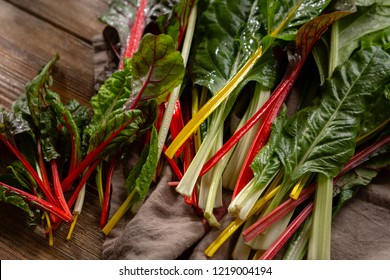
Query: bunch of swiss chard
point(290, 169)
point(222, 101)
point(52, 149)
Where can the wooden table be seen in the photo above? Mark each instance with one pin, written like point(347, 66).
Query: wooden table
point(31, 32)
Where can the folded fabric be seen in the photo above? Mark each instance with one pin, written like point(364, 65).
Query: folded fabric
point(361, 230)
point(165, 227)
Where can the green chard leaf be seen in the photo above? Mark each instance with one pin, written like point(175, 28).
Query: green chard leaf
point(111, 97)
point(17, 201)
point(379, 38)
point(118, 131)
point(41, 112)
point(15, 129)
point(286, 16)
point(227, 35)
point(49, 134)
point(266, 164)
point(12, 125)
point(366, 21)
point(22, 176)
point(174, 22)
point(378, 113)
point(322, 138)
point(121, 16)
point(157, 68)
point(36, 91)
point(126, 105)
point(73, 118)
point(141, 175)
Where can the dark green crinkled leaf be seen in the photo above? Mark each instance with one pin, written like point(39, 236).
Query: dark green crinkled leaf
point(19, 202)
point(322, 138)
point(142, 174)
point(119, 131)
point(157, 68)
point(65, 117)
point(112, 96)
point(36, 91)
point(378, 113)
point(11, 125)
point(110, 100)
point(39, 110)
point(379, 38)
point(80, 113)
point(48, 133)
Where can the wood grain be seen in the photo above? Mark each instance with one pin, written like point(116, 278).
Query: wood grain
point(31, 33)
point(80, 18)
point(28, 42)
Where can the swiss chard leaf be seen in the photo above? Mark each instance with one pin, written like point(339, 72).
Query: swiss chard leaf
point(378, 113)
point(367, 20)
point(322, 138)
point(36, 91)
point(118, 131)
point(49, 133)
point(351, 182)
point(17, 201)
point(72, 128)
point(22, 177)
point(11, 125)
point(283, 17)
point(41, 112)
point(157, 68)
point(149, 75)
point(110, 99)
point(142, 174)
point(121, 16)
point(175, 22)
point(379, 38)
point(266, 164)
point(227, 35)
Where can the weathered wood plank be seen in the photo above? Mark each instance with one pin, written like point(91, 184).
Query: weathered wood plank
point(80, 18)
point(27, 43)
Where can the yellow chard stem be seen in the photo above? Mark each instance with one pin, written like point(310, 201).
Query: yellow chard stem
point(286, 20)
point(212, 104)
point(299, 186)
point(237, 223)
point(118, 214)
point(72, 226)
point(49, 229)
